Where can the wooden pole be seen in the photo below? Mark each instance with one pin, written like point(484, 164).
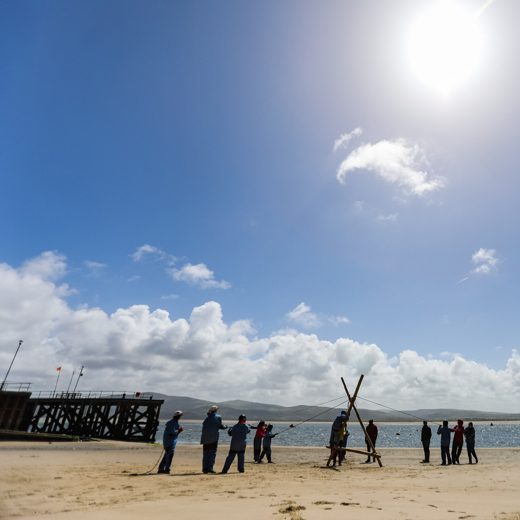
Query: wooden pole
point(353, 406)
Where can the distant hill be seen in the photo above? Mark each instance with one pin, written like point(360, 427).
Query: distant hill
point(230, 410)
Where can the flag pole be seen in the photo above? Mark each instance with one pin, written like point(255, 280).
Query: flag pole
point(70, 382)
point(77, 381)
point(12, 361)
point(57, 379)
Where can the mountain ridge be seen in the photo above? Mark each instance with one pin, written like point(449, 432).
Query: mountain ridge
point(194, 408)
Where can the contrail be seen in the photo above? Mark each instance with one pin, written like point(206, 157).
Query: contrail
point(486, 4)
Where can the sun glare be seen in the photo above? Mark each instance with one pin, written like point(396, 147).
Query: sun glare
point(444, 47)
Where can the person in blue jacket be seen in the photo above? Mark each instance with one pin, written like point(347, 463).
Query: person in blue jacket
point(445, 432)
point(211, 427)
point(238, 434)
point(171, 432)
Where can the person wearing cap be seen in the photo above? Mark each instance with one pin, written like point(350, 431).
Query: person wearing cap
point(171, 432)
point(211, 427)
point(238, 434)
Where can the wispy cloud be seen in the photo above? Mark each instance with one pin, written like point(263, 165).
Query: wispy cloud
point(485, 260)
point(199, 275)
point(390, 217)
point(94, 267)
point(148, 250)
point(303, 315)
point(343, 140)
point(396, 162)
point(339, 320)
point(170, 297)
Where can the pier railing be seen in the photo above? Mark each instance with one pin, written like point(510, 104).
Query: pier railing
point(92, 394)
point(16, 387)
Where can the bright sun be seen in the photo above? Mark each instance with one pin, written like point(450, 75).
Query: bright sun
point(444, 46)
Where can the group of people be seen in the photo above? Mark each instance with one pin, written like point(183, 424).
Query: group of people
point(459, 434)
point(211, 427)
point(339, 434)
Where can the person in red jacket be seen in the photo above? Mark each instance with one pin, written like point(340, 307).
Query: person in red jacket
point(261, 429)
point(458, 441)
point(372, 433)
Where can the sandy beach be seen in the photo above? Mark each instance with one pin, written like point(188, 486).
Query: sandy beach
point(97, 480)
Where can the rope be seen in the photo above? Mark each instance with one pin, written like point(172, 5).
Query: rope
point(393, 409)
point(149, 472)
point(317, 415)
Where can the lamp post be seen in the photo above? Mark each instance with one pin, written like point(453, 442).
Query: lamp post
point(12, 361)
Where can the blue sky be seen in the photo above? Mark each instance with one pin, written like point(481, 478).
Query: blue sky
point(205, 131)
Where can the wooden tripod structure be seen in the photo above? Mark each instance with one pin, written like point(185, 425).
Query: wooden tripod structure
point(352, 406)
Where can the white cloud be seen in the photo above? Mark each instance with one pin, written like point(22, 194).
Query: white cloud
point(339, 320)
point(94, 267)
point(302, 315)
point(397, 162)
point(390, 217)
point(137, 348)
point(198, 274)
point(485, 260)
point(148, 250)
point(343, 140)
point(50, 265)
point(170, 297)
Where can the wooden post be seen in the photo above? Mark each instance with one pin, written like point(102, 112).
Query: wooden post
point(353, 406)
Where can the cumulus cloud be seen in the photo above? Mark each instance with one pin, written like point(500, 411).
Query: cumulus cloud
point(343, 140)
point(202, 355)
point(396, 162)
point(198, 274)
point(485, 261)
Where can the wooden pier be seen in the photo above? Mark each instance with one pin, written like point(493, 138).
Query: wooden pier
point(133, 417)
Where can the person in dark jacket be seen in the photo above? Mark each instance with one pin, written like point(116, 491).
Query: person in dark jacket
point(426, 435)
point(372, 434)
point(260, 428)
point(336, 437)
point(171, 432)
point(458, 441)
point(211, 427)
point(266, 444)
point(445, 433)
point(469, 432)
point(237, 447)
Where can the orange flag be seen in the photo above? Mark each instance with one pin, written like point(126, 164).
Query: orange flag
point(58, 369)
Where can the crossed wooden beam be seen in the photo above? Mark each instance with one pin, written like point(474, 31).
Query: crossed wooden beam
point(352, 406)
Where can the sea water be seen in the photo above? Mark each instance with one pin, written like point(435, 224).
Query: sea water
point(391, 435)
